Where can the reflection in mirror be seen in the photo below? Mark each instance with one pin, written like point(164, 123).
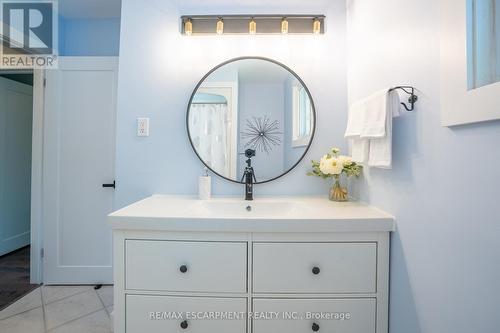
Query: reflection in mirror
point(251, 103)
point(483, 42)
point(302, 116)
point(208, 125)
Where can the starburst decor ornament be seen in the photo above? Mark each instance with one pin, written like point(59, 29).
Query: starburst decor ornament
point(262, 134)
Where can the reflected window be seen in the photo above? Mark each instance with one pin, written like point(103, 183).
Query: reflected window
point(483, 42)
point(302, 117)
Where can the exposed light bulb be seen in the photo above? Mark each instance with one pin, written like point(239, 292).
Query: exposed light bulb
point(317, 26)
point(220, 26)
point(284, 26)
point(252, 27)
point(188, 27)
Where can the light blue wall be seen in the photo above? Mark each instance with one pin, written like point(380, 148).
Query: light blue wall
point(444, 188)
point(159, 69)
point(89, 37)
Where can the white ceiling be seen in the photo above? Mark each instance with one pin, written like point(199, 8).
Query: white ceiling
point(89, 8)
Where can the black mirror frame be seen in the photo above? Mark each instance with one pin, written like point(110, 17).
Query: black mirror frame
point(252, 58)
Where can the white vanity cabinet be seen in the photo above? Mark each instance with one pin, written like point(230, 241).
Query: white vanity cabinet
point(208, 272)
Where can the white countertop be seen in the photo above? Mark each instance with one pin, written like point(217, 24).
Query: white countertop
point(230, 214)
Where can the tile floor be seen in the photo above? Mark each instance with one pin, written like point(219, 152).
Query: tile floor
point(60, 309)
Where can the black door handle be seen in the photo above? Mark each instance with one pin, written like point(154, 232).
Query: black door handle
point(110, 185)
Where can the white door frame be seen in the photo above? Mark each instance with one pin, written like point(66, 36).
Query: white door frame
point(36, 267)
point(37, 244)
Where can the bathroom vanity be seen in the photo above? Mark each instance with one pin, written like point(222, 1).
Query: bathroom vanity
point(296, 264)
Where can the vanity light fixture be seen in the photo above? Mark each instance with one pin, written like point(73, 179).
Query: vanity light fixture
point(220, 26)
point(188, 27)
point(284, 26)
point(269, 24)
point(316, 26)
point(252, 27)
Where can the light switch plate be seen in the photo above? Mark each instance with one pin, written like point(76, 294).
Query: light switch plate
point(142, 126)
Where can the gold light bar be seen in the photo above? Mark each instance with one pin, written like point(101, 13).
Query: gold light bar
point(247, 24)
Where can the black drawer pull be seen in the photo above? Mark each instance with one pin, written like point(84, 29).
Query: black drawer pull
point(183, 269)
point(315, 327)
point(184, 324)
point(316, 270)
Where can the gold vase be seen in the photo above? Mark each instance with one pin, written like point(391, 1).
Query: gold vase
point(338, 192)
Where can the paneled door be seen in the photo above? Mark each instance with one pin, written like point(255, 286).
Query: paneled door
point(79, 153)
point(16, 114)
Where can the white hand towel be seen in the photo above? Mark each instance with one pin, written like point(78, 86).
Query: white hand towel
point(377, 107)
point(360, 149)
point(380, 150)
point(355, 120)
point(355, 124)
point(369, 128)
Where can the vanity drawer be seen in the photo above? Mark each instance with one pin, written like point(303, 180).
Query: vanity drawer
point(186, 266)
point(339, 315)
point(314, 267)
point(140, 310)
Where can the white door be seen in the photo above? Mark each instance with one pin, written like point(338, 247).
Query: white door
point(79, 153)
point(16, 114)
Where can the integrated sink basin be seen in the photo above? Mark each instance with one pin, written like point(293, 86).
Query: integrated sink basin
point(232, 214)
point(236, 208)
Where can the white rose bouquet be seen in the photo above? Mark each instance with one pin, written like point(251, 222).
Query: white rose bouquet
point(333, 165)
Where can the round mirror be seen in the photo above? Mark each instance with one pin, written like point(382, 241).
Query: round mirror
point(251, 112)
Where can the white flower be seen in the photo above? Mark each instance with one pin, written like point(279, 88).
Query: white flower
point(345, 160)
point(336, 166)
point(322, 164)
point(331, 166)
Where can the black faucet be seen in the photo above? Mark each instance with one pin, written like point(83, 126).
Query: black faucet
point(249, 175)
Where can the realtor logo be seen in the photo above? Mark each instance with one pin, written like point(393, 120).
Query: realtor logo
point(28, 33)
point(28, 27)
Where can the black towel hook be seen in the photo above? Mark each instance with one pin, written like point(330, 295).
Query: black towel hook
point(412, 99)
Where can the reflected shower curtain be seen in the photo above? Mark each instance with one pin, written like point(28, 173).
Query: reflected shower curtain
point(208, 124)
